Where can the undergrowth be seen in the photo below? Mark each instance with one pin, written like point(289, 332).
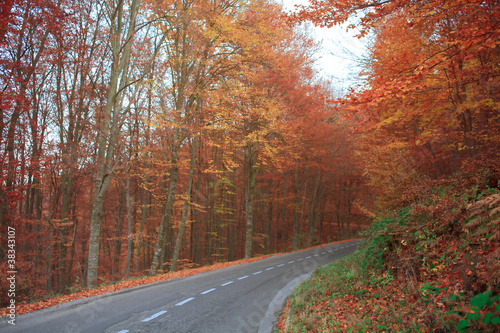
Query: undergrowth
point(433, 267)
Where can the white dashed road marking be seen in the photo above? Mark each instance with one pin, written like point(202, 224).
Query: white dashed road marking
point(153, 316)
point(207, 291)
point(184, 301)
point(240, 278)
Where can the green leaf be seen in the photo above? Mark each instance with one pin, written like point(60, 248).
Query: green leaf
point(487, 318)
point(472, 316)
point(497, 307)
point(495, 320)
point(462, 324)
point(481, 300)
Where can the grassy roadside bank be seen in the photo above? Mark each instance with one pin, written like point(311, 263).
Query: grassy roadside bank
point(434, 267)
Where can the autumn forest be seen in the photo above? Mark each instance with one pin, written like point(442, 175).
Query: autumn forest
point(144, 136)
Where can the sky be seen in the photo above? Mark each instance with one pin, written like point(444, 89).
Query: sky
point(337, 58)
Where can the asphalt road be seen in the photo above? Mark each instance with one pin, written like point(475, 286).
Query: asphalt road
point(236, 299)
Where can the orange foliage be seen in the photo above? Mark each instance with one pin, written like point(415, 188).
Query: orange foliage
point(430, 105)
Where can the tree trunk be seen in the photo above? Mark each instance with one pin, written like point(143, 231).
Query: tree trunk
point(182, 226)
point(117, 253)
point(251, 180)
point(269, 217)
point(66, 190)
point(283, 225)
point(296, 217)
point(167, 214)
point(129, 221)
point(312, 208)
point(72, 253)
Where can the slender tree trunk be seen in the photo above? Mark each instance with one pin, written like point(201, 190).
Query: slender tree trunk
point(283, 225)
point(117, 253)
point(167, 214)
point(276, 229)
point(311, 217)
point(296, 217)
point(67, 184)
point(269, 217)
point(140, 246)
point(129, 221)
point(164, 227)
point(209, 202)
point(302, 232)
point(48, 260)
point(330, 233)
point(72, 253)
point(320, 206)
point(340, 223)
point(48, 251)
point(185, 209)
point(250, 204)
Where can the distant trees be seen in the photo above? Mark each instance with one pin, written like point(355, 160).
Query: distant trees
point(139, 136)
point(430, 109)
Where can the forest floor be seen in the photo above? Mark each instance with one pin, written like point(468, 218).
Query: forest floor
point(433, 267)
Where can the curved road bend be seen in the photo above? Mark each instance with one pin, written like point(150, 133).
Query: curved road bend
point(236, 299)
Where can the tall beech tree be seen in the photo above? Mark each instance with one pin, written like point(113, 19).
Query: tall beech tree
point(123, 19)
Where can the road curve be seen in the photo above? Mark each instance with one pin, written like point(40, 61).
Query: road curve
point(236, 299)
